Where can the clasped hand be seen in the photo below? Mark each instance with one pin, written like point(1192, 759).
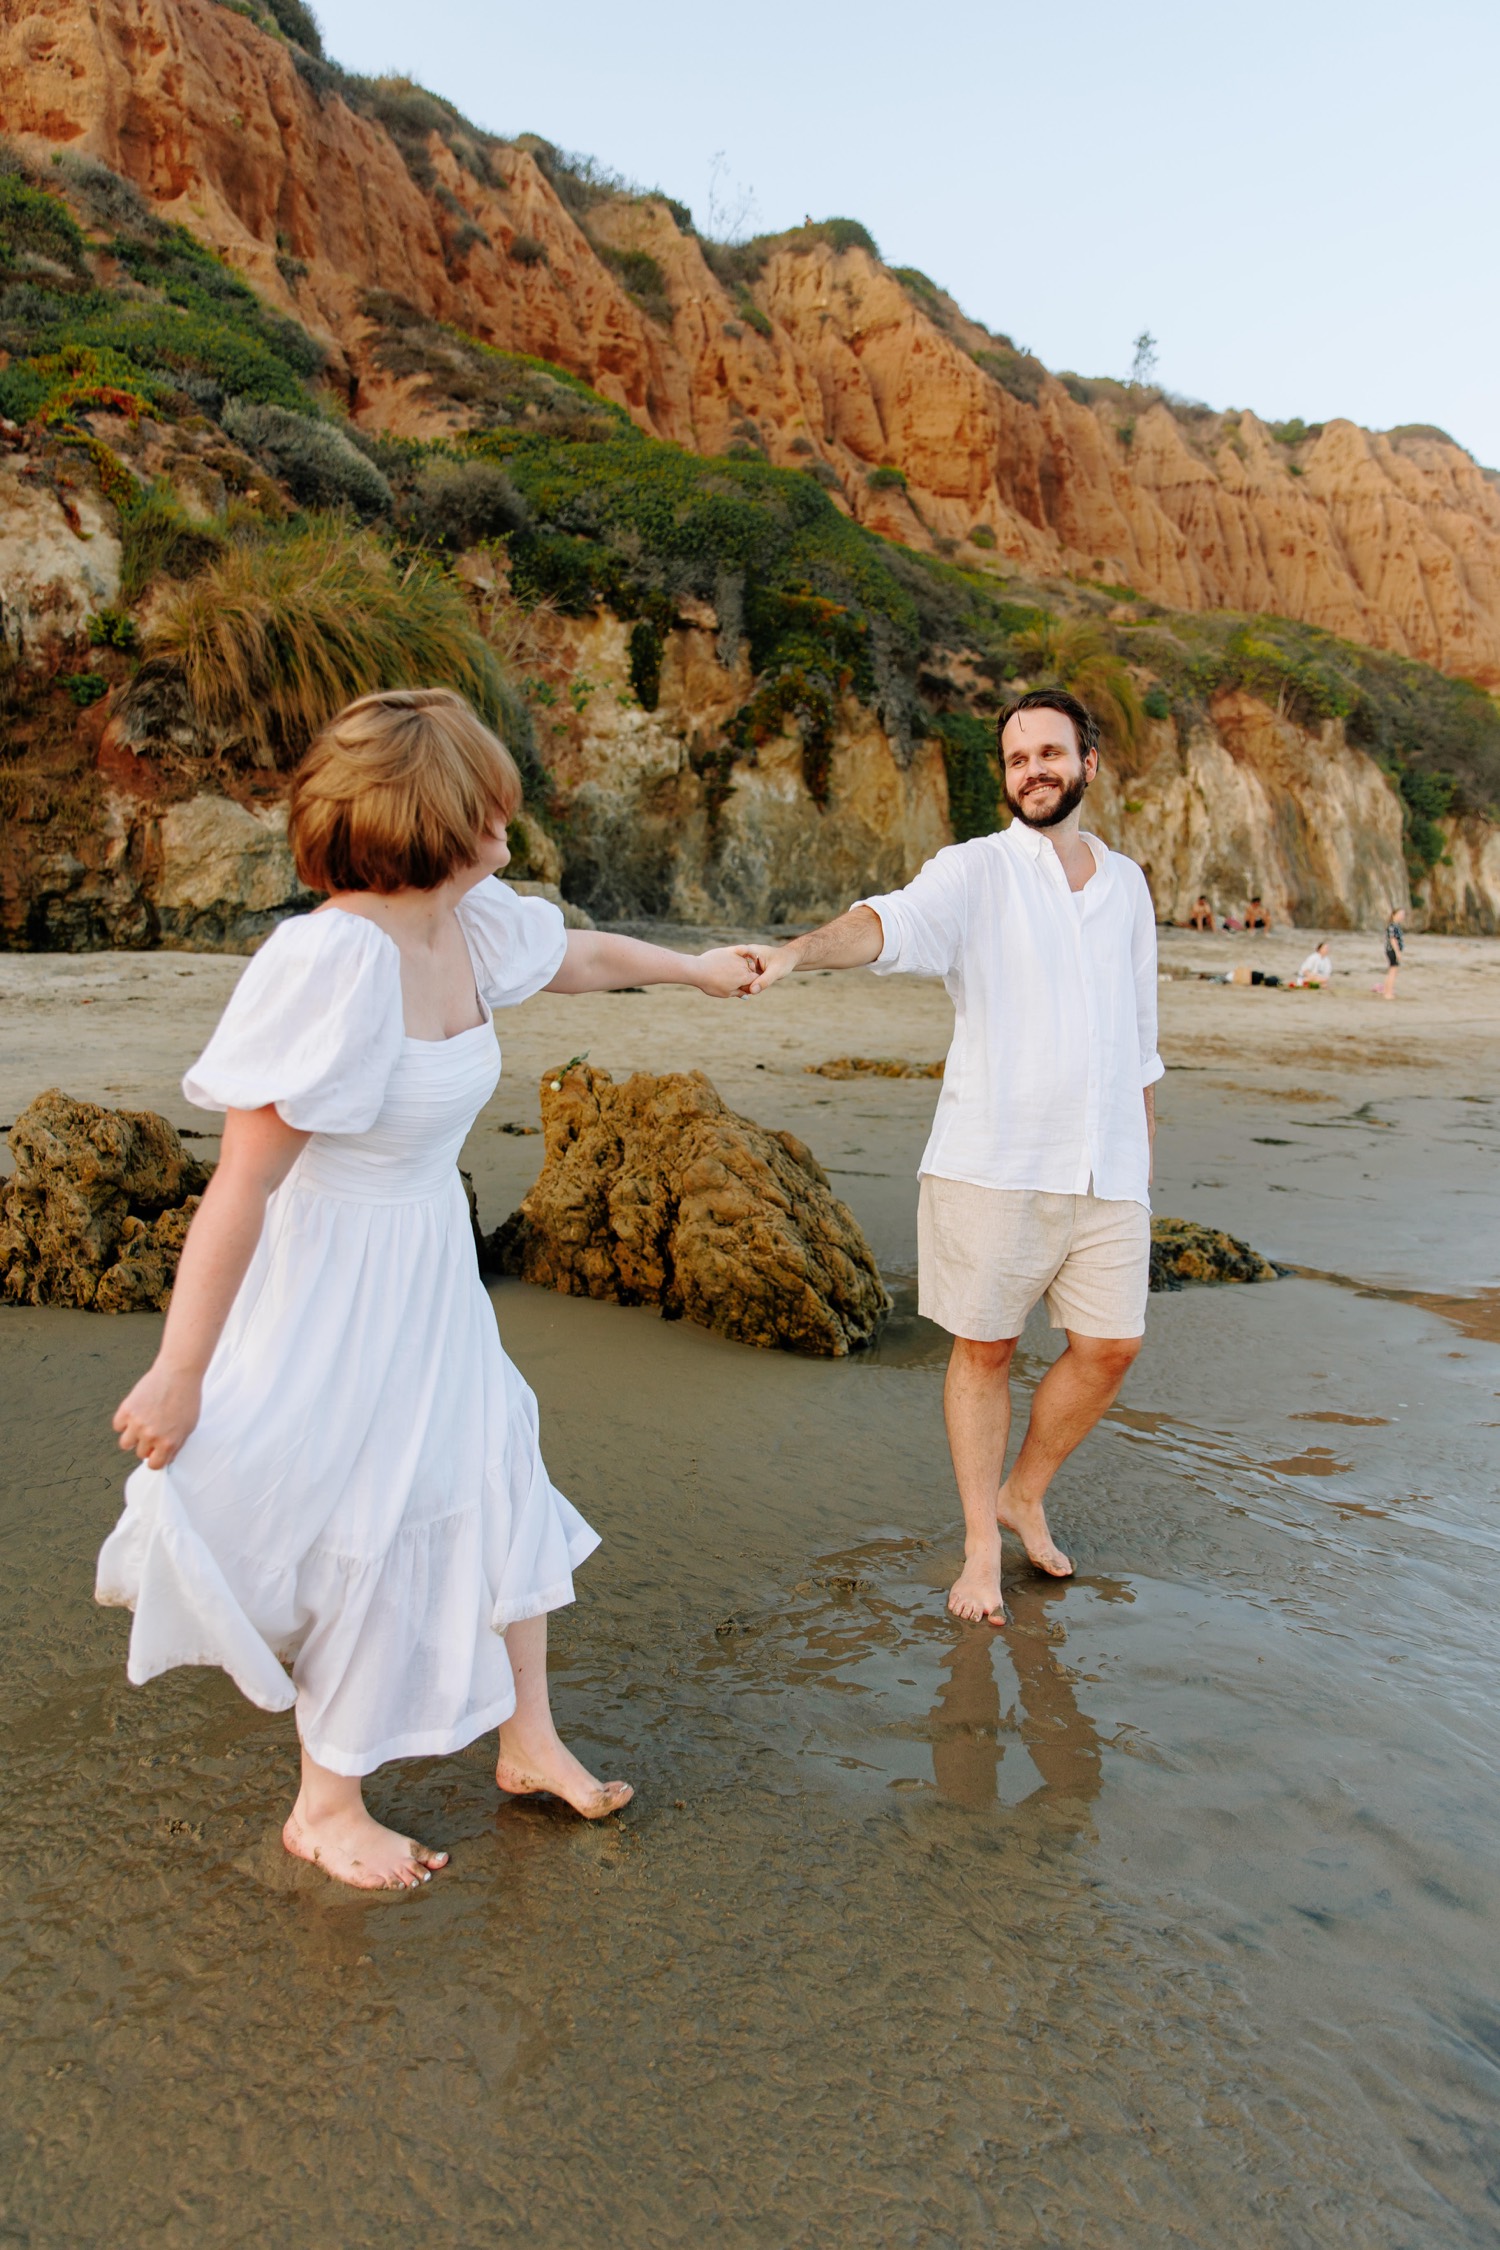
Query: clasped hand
point(728, 972)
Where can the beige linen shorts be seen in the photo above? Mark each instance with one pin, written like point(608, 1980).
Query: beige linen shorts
point(986, 1256)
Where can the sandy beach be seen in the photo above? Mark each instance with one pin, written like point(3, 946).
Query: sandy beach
point(1167, 1916)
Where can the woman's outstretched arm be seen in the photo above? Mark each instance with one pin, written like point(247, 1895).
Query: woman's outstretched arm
point(257, 1152)
point(598, 962)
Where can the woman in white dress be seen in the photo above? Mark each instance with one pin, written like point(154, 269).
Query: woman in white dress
point(339, 1466)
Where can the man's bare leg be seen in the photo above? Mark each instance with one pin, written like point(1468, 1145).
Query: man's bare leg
point(534, 1759)
point(1067, 1402)
point(976, 1408)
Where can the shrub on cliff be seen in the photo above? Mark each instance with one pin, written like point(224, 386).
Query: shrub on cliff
point(642, 277)
point(501, 388)
point(35, 225)
point(278, 634)
point(1016, 372)
point(113, 205)
point(645, 663)
point(456, 503)
point(317, 462)
point(411, 116)
point(972, 765)
point(298, 23)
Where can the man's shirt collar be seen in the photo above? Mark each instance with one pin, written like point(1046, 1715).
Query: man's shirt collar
point(1036, 840)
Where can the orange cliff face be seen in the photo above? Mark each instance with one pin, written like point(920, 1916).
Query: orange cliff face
point(1392, 540)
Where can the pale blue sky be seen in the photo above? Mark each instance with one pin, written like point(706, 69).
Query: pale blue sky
point(1300, 200)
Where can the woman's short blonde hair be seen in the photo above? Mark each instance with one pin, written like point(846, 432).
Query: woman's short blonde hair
point(397, 791)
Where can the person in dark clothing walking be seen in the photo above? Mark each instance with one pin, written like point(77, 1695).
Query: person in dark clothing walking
point(1395, 946)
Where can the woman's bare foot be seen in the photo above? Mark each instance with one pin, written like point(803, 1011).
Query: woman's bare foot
point(542, 1768)
point(1028, 1520)
point(349, 1844)
point(975, 1593)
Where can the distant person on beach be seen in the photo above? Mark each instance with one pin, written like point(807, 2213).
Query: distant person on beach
point(1035, 1181)
point(1395, 947)
point(340, 1467)
point(1317, 968)
point(1256, 917)
point(1202, 916)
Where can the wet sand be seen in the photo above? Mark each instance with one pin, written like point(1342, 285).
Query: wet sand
point(1167, 1916)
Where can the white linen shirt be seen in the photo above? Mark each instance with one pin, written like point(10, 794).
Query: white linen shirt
point(1054, 995)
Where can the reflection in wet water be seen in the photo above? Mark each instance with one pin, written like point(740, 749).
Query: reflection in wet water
point(889, 1690)
point(1043, 1741)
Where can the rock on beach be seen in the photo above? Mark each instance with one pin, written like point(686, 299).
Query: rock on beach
point(1183, 1251)
point(98, 1207)
point(655, 1192)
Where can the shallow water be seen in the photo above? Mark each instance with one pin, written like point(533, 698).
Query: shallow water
point(1167, 1916)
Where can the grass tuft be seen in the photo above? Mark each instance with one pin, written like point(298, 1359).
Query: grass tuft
point(277, 635)
point(159, 539)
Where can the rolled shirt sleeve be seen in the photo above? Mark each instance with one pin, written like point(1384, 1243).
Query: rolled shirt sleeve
point(923, 925)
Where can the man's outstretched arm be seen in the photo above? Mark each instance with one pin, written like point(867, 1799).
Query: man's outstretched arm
point(851, 942)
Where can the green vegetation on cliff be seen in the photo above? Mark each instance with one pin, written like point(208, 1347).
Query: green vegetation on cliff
point(1438, 739)
point(112, 320)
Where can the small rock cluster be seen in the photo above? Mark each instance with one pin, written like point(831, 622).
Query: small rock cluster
point(1182, 1251)
point(97, 1209)
point(655, 1193)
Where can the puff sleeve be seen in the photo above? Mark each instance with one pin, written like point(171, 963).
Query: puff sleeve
point(517, 942)
point(314, 1025)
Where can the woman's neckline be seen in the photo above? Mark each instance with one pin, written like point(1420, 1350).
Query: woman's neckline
point(410, 1038)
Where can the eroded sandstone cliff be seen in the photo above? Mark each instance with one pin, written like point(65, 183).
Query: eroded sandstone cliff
point(790, 742)
point(811, 353)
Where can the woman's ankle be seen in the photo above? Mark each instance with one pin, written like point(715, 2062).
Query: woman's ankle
point(326, 1796)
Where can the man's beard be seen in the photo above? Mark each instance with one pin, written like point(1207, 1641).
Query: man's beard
point(1051, 809)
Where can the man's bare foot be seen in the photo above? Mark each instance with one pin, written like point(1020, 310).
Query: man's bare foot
point(975, 1593)
point(1028, 1520)
point(352, 1847)
point(550, 1769)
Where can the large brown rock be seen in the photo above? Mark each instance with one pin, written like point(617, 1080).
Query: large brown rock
point(654, 1192)
point(98, 1207)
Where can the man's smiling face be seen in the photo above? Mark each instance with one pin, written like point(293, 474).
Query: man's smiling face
point(1043, 775)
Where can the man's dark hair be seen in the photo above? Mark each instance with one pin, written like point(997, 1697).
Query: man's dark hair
point(1085, 725)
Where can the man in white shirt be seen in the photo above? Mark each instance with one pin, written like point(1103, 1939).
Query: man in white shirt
point(1036, 1179)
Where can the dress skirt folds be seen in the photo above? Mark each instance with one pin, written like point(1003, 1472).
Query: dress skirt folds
point(364, 1497)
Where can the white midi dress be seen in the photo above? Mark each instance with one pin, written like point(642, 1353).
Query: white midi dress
point(363, 1497)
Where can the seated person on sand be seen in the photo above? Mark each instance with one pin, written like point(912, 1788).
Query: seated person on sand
point(1036, 1180)
point(1317, 968)
point(1202, 916)
point(1256, 917)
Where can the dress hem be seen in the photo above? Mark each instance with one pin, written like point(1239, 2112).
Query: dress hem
point(354, 1765)
point(140, 1675)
